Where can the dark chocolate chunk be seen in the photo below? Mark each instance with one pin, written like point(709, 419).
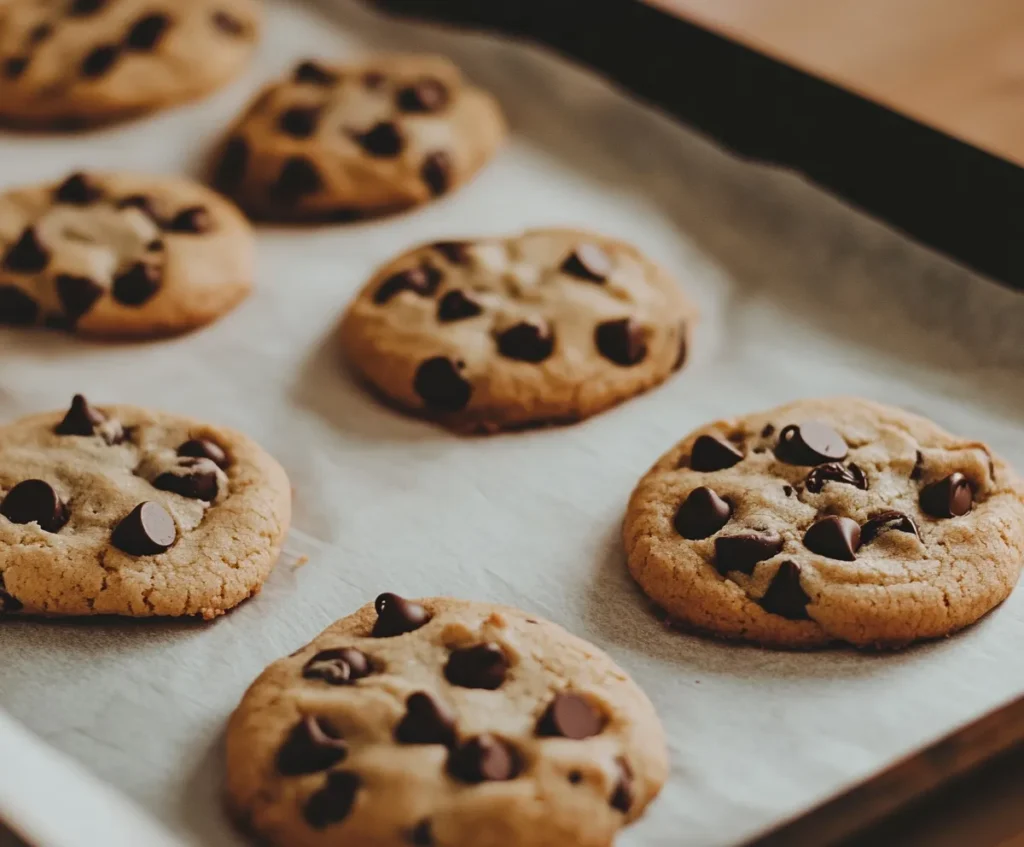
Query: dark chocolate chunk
point(441, 386)
point(589, 262)
point(422, 834)
point(423, 279)
point(313, 745)
point(77, 294)
point(147, 530)
point(571, 716)
point(701, 514)
point(436, 172)
point(35, 501)
point(527, 341)
point(147, 32)
point(15, 66)
point(456, 305)
point(427, 721)
point(204, 448)
point(196, 485)
point(17, 308)
point(810, 443)
point(137, 284)
point(743, 551)
point(85, 7)
point(194, 220)
point(298, 178)
point(229, 24)
point(948, 498)
point(456, 252)
point(788, 490)
point(623, 794)
point(425, 95)
point(785, 596)
point(887, 521)
point(382, 140)
point(99, 60)
point(835, 472)
point(333, 802)
point(339, 666)
point(314, 73)
point(234, 159)
point(835, 537)
point(27, 255)
point(81, 418)
point(299, 121)
point(396, 616)
point(711, 453)
point(481, 666)
point(483, 759)
point(78, 190)
point(623, 341)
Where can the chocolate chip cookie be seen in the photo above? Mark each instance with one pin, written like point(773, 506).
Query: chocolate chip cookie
point(551, 326)
point(122, 511)
point(121, 255)
point(824, 521)
point(342, 140)
point(443, 722)
point(70, 63)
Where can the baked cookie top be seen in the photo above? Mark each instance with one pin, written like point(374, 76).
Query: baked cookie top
point(120, 510)
point(67, 63)
point(549, 326)
point(341, 140)
point(827, 520)
point(443, 722)
point(121, 255)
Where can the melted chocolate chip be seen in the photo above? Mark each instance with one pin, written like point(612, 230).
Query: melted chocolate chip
point(78, 190)
point(743, 551)
point(147, 32)
point(339, 666)
point(137, 284)
point(298, 178)
point(456, 252)
point(835, 537)
point(198, 485)
point(436, 172)
point(232, 165)
point(623, 794)
point(427, 721)
point(382, 140)
point(785, 596)
point(314, 73)
point(835, 472)
point(456, 305)
point(589, 262)
point(481, 666)
point(711, 453)
point(396, 616)
point(810, 443)
point(422, 279)
point(99, 60)
point(333, 802)
point(425, 95)
point(194, 220)
point(299, 121)
point(484, 759)
point(204, 448)
point(15, 66)
point(17, 308)
point(147, 530)
point(77, 294)
point(527, 341)
point(701, 514)
point(229, 24)
point(571, 716)
point(948, 498)
point(623, 341)
point(35, 501)
point(27, 255)
point(888, 521)
point(440, 385)
point(313, 745)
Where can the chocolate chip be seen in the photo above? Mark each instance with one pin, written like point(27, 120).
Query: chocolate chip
point(589, 262)
point(99, 60)
point(86, 7)
point(810, 443)
point(314, 74)
point(948, 498)
point(138, 284)
point(147, 530)
point(299, 121)
point(143, 203)
point(423, 279)
point(228, 23)
point(711, 453)
point(743, 551)
point(835, 537)
point(835, 472)
point(198, 485)
point(374, 79)
point(27, 255)
point(425, 95)
point(204, 448)
point(427, 721)
point(785, 596)
point(77, 294)
point(81, 418)
point(313, 745)
point(8, 602)
point(436, 172)
point(788, 490)
point(701, 514)
point(481, 666)
point(396, 616)
point(483, 759)
point(623, 794)
point(571, 716)
point(194, 220)
point(16, 307)
point(575, 777)
point(441, 386)
point(39, 33)
point(918, 468)
point(15, 66)
point(35, 501)
point(78, 190)
point(146, 33)
point(623, 341)
point(888, 521)
point(456, 252)
point(382, 140)
point(456, 305)
point(334, 801)
point(422, 834)
point(298, 178)
point(155, 245)
point(233, 162)
point(527, 341)
point(768, 431)
point(339, 666)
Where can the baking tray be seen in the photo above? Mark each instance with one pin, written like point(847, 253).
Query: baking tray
point(800, 296)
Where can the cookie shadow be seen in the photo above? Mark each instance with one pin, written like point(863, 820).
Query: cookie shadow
point(203, 810)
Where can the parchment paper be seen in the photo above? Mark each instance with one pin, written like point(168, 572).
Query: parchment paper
point(800, 296)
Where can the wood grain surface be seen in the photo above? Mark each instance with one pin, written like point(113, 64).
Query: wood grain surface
point(957, 65)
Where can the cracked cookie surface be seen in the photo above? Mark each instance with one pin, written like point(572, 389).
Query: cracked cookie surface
point(361, 138)
point(121, 255)
point(827, 520)
point(443, 722)
point(71, 63)
point(120, 510)
point(551, 326)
